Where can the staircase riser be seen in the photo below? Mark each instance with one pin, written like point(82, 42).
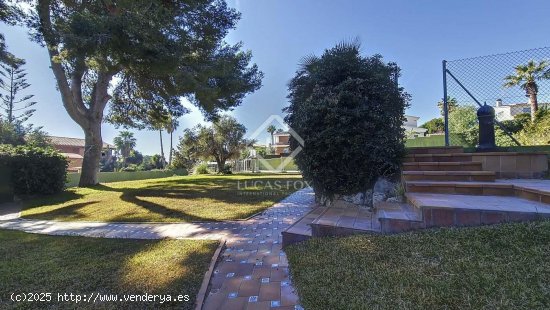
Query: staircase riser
point(411, 159)
point(291, 238)
point(458, 178)
point(465, 167)
point(434, 217)
point(436, 150)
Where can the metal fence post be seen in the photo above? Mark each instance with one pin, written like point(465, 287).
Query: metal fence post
point(445, 107)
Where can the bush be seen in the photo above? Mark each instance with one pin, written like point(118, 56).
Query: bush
point(226, 169)
point(202, 169)
point(349, 113)
point(34, 170)
point(464, 126)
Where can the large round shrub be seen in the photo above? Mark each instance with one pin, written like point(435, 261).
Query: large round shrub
point(34, 170)
point(349, 111)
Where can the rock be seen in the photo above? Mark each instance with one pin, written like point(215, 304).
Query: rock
point(385, 187)
point(395, 199)
point(378, 197)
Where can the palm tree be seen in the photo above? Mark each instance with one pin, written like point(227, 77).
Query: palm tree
point(451, 104)
point(171, 126)
point(526, 77)
point(125, 143)
point(271, 129)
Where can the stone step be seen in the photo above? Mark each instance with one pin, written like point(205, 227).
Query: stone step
point(443, 166)
point(485, 176)
point(344, 222)
point(301, 230)
point(435, 150)
point(534, 191)
point(466, 210)
point(451, 157)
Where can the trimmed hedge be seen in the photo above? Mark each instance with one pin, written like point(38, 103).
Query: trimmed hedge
point(34, 170)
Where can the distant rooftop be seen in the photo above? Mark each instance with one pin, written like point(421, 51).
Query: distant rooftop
point(66, 141)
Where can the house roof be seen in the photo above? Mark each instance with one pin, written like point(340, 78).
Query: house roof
point(66, 141)
point(412, 116)
point(282, 133)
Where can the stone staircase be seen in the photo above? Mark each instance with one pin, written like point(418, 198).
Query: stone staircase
point(444, 187)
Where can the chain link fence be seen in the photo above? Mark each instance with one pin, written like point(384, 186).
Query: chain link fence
point(516, 85)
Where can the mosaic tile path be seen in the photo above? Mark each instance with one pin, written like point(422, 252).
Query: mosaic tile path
point(253, 270)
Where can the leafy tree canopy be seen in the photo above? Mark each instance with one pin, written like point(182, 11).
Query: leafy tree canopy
point(222, 141)
point(150, 53)
point(435, 125)
point(349, 112)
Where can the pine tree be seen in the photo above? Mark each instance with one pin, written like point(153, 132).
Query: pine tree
point(15, 107)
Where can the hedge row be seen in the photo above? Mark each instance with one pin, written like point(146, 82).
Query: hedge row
point(34, 170)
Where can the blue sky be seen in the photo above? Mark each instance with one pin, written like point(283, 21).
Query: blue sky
point(417, 35)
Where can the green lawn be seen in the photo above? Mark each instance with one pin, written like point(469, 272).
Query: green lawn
point(426, 141)
point(53, 264)
point(497, 267)
point(275, 163)
point(174, 199)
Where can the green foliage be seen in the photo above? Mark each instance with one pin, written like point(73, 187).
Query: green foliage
point(222, 141)
point(151, 162)
point(435, 125)
point(463, 125)
point(10, 134)
point(537, 132)
point(226, 169)
point(107, 164)
point(452, 103)
point(260, 150)
point(202, 168)
point(34, 170)
point(17, 134)
point(186, 154)
point(36, 137)
point(517, 124)
point(349, 113)
point(125, 143)
point(135, 158)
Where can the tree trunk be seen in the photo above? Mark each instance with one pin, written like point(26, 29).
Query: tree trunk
point(88, 117)
point(221, 165)
point(92, 153)
point(162, 159)
point(534, 105)
point(171, 149)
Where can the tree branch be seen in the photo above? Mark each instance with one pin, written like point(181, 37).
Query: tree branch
point(75, 108)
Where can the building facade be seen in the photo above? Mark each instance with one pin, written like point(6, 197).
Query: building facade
point(74, 149)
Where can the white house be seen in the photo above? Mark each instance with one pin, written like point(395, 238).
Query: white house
point(505, 112)
point(411, 127)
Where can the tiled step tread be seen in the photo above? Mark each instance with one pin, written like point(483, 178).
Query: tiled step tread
point(352, 218)
point(302, 226)
point(439, 172)
point(442, 163)
point(461, 184)
point(481, 203)
point(443, 166)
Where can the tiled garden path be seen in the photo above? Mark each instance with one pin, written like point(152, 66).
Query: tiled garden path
point(253, 270)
